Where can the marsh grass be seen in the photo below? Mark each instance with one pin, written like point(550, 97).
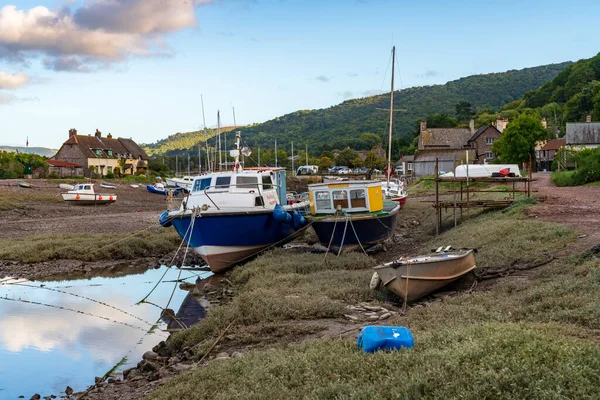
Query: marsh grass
point(525, 336)
point(89, 247)
point(491, 360)
point(10, 201)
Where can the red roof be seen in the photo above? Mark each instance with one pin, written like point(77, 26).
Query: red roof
point(554, 144)
point(58, 163)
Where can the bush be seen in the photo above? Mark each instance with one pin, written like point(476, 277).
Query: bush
point(110, 175)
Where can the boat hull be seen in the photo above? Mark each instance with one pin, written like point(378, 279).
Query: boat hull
point(153, 189)
point(361, 229)
point(401, 200)
point(88, 199)
point(230, 238)
point(412, 279)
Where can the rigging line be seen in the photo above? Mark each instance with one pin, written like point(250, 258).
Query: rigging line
point(184, 257)
point(330, 241)
point(82, 297)
point(399, 74)
point(386, 71)
point(72, 310)
point(168, 267)
point(343, 236)
point(358, 240)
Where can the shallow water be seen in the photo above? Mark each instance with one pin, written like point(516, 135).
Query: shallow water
point(52, 337)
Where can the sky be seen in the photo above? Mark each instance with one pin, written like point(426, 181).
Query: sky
point(142, 68)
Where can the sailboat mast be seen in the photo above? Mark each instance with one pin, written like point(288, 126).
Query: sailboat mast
point(205, 138)
point(219, 135)
point(389, 161)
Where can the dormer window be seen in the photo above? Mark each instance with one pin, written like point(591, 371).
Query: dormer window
point(98, 152)
point(110, 153)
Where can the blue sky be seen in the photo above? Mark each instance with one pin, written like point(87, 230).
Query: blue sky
point(149, 61)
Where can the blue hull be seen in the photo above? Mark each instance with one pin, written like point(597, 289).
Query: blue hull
point(369, 231)
point(233, 230)
point(153, 189)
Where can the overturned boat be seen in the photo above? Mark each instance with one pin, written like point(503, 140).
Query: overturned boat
point(415, 277)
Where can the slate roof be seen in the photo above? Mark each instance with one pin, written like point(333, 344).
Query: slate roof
point(57, 163)
point(481, 130)
point(87, 144)
point(554, 144)
point(579, 133)
point(444, 138)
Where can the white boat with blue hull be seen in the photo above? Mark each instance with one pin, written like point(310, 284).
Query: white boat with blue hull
point(231, 216)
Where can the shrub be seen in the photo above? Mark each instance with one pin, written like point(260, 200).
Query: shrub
point(110, 175)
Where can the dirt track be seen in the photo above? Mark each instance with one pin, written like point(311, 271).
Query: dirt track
point(576, 206)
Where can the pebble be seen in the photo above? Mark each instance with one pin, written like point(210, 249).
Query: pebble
point(182, 367)
point(36, 397)
point(351, 317)
point(385, 316)
point(222, 356)
point(237, 354)
point(373, 318)
point(150, 355)
point(373, 308)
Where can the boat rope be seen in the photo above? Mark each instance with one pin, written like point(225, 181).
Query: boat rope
point(359, 243)
point(408, 264)
point(330, 241)
point(80, 296)
point(343, 235)
point(72, 310)
point(168, 266)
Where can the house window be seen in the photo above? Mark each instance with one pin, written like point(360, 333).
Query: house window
point(98, 152)
point(223, 182)
point(246, 182)
point(357, 198)
point(489, 155)
point(340, 199)
point(323, 200)
point(409, 166)
point(201, 184)
point(109, 152)
point(109, 169)
point(490, 140)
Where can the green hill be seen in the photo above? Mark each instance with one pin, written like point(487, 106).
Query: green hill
point(179, 142)
point(342, 125)
point(572, 95)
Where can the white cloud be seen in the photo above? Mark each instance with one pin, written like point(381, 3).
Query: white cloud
point(99, 31)
point(12, 81)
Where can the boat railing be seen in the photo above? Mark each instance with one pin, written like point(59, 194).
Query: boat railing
point(225, 189)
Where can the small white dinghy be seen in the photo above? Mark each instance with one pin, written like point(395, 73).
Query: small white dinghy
point(134, 185)
point(83, 194)
point(66, 186)
point(107, 185)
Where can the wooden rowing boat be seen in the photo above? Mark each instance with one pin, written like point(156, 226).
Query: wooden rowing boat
point(415, 277)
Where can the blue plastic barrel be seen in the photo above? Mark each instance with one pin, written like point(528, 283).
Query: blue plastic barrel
point(373, 338)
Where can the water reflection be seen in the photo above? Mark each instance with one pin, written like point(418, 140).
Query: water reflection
point(62, 339)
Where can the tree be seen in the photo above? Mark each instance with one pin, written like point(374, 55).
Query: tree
point(325, 163)
point(346, 157)
point(371, 140)
point(517, 143)
point(464, 112)
point(372, 161)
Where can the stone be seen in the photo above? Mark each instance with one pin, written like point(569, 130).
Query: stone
point(127, 372)
point(182, 367)
point(163, 373)
point(373, 318)
point(222, 356)
point(373, 308)
point(114, 380)
point(153, 376)
point(149, 367)
point(97, 379)
point(351, 317)
point(69, 391)
point(237, 354)
point(150, 355)
point(385, 316)
point(36, 397)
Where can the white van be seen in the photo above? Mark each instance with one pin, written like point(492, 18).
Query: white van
point(307, 170)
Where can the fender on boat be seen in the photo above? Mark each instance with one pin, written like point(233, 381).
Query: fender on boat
point(164, 219)
point(281, 215)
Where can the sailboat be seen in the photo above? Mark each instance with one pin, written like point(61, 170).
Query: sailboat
point(393, 189)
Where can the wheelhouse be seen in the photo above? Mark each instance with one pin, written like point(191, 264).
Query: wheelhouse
point(350, 197)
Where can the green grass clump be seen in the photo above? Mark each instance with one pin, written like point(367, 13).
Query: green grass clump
point(89, 247)
point(565, 178)
point(10, 201)
point(492, 360)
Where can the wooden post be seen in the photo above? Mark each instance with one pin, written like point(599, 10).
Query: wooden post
point(437, 208)
point(530, 176)
point(461, 199)
point(454, 190)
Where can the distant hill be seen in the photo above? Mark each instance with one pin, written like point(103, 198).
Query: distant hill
point(342, 125)
point(173, 144)
point(40, 151)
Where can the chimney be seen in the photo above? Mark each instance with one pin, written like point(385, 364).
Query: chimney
point(109, 136)
point(501, 124)
point(423, 125)
point(544, 123)
point(588, 118)
point(98, 134)
point(472, 126)
point(72, 132)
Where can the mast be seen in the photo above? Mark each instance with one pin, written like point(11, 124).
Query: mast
point(306, 151)
point(275, 153)
point(389, 161)
point(219, 135)
point(206, 138)
point(259, 156)
point(237, 166)
point(292, 157)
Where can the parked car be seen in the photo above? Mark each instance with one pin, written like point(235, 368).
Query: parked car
point(343, 170)
point(307, 170)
